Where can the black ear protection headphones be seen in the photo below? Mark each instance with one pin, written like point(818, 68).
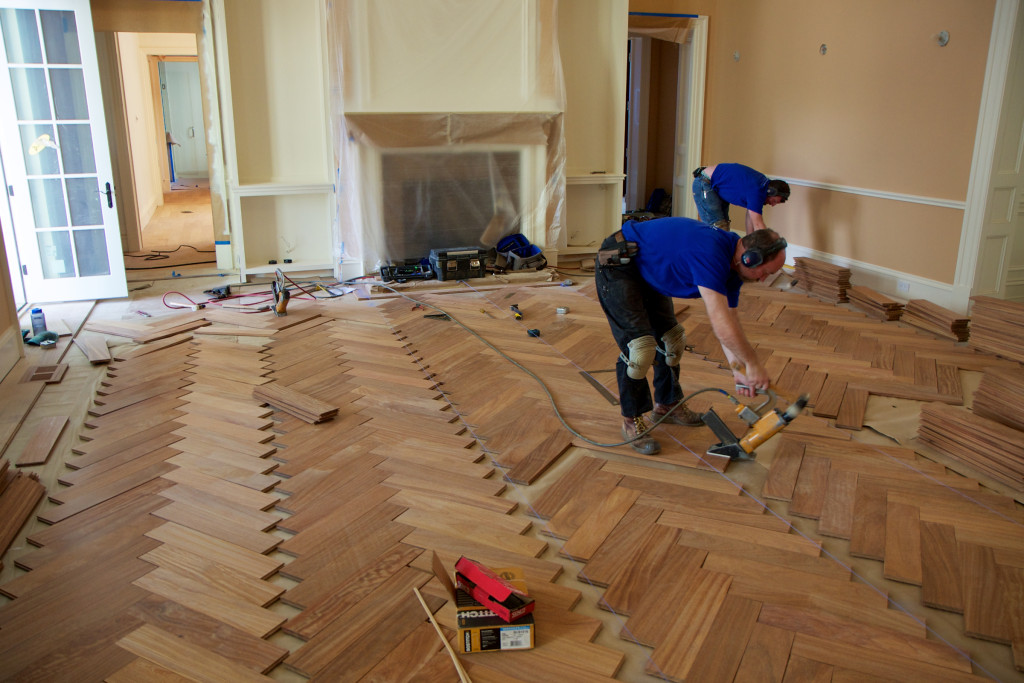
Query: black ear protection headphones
point(777, 188)
point(755, 256)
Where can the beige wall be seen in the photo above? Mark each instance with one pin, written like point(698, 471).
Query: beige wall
point(885, 110)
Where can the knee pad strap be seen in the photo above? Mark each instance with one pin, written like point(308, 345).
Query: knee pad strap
point(675, 342)
point(641, 356)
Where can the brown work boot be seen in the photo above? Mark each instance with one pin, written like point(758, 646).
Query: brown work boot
point(680, 416)
point(634, 426)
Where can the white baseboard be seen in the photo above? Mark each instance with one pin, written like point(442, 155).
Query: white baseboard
point(892, 283)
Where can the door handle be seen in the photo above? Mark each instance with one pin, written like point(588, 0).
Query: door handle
point(110, 197)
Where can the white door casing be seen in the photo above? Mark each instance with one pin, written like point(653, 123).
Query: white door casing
point(55, 154)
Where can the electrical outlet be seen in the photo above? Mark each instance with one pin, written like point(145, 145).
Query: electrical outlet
point(902, 286)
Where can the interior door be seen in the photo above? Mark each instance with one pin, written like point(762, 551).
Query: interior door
point(183, 116)
point(54, 148)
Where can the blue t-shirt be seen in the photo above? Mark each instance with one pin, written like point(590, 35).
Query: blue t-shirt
point(676, 255)
point(741, 185)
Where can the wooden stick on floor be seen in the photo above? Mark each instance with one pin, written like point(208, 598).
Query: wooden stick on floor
point(463, 676)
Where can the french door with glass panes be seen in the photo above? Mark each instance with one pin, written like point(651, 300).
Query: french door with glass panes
point(53, 146)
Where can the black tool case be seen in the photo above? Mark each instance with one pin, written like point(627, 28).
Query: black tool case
point(458, 263)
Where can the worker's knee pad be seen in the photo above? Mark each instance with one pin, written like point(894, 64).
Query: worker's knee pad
point(674, 341)
point(641, 356)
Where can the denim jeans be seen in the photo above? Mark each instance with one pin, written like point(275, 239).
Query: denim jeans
point(710, 207)
point(635, 309)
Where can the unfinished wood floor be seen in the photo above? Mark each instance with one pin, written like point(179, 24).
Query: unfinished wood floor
point(199, 535)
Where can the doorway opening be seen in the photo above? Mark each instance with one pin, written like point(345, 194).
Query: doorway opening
point(667, 57)
point(171, 221)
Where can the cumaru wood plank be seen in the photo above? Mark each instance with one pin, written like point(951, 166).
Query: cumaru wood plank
point(204, 520)
point(201, 597)
point(656, 609)
point(242, 560)
point(190, 661)
point(837, 512)
point(765, 656)
point(705, 595)
point(341, 635)
point(335, 602)
point(940, 568)
point(579, 506)
point(585, 541)
point(723, 649)
point(784, 470)
point(833, 628)
point(902, 543)
point(633, 581)
point(37, 450)
point(809, 492)
point(986, 613)
point(753, 535)
point(873, 661)
point(222, 579)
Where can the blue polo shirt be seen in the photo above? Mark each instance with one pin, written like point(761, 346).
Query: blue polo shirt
point(677, 255)
point(741, 185)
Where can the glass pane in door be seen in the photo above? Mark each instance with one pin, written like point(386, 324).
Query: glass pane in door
point(91, 247)
point(55, 254)
point(60, 35)
point(21, 36)
point(76, 148)
point(84, 201)
point(48, 203)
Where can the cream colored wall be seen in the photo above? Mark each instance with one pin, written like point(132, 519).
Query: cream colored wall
point(10, 333)
point(885, 112)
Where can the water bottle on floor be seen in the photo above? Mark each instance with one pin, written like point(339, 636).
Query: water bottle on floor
point(38, 322)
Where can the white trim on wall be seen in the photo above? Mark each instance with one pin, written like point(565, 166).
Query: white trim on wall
point(880, 194)
point(892, 283)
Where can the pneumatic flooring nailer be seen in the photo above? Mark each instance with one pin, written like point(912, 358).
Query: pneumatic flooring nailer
point(765, 422)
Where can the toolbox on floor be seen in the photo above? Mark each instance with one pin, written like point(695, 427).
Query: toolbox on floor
point(480, 629)
point(516, 253)
point(458, 263)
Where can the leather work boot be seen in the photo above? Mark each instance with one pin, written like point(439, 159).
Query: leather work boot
point(632, 426)
point(680, 416)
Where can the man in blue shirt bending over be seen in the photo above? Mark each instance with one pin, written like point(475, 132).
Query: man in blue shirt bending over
point(716, 187)
point(639, 269)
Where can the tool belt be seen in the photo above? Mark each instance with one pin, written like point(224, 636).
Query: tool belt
point(619, 255)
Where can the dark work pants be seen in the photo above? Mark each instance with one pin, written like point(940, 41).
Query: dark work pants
point(635, 309)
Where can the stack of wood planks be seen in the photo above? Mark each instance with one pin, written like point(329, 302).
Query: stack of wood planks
point(997, 327)
point(933, 318)
point(875, 303)
point(1000, 397)
point(986, 445)
point(19, 495)
point(824, 279)
point(302, 406)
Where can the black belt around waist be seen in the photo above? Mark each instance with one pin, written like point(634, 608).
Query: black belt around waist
point(699, 173)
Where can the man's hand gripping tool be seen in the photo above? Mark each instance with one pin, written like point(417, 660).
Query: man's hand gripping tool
point(764, 420)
